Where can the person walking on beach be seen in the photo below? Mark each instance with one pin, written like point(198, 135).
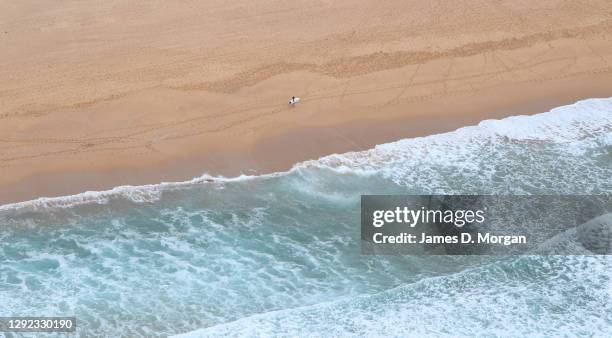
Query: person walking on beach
point(294, 100)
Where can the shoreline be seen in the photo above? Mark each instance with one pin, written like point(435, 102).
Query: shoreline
point(276, 154)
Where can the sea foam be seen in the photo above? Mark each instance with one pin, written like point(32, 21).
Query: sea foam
point(527, 296)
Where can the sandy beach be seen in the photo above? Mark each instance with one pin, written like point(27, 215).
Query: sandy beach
point(96, 94)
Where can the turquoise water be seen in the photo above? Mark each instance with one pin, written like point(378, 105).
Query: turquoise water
point(279, 254)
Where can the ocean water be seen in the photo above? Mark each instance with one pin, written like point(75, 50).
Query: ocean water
point(279, 254)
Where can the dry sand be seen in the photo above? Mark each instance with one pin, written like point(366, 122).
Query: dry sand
point(95, 94)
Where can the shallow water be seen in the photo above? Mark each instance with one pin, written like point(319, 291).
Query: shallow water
point(279, 254)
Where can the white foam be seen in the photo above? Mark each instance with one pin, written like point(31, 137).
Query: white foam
point(137, 194)
point(516, 154)
point(566, 124)
point(543, 295)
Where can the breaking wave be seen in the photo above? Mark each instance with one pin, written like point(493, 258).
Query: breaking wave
point(526, 296)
